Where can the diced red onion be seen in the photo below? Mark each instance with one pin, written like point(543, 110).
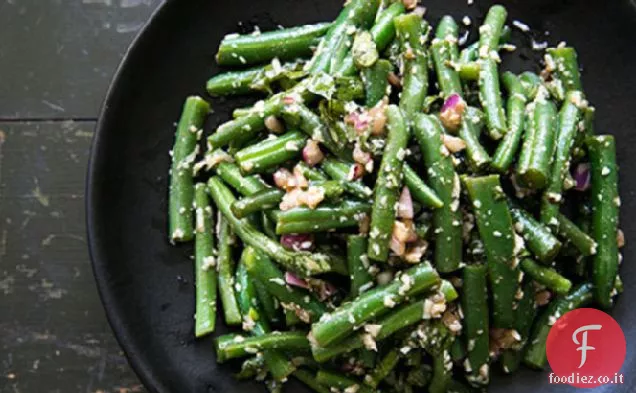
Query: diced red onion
point(453, 143)
point(295, 281)
point(405, 205)
point(398, 247)
point(378, 116)
point(582, 177)
point(297, 242)
point(356, 172)
point(312, 154)
point(359, 120)
point(282, 177)
point(452, 112)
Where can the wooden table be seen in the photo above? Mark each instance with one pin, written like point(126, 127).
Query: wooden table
point(57, 58)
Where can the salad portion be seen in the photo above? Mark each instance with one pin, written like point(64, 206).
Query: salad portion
point(395, 212)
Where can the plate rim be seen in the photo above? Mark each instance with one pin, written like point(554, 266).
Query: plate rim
point(108, 299)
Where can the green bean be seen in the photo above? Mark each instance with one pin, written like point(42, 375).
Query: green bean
point(246, 127)
point(291, 319)
point(605, 203)
point(471, 52)
point(376, 81)
point(285, 44)
point(383, 368)
point(409, 29)
point(395, 321)
point(341, 382)
point(420, 191)
point(419, 377)
point(311, 174)
point(540, 148)
point(469, 71)
point(299, 115)
point(475, 308)
point(525, 314)
point(383, 30)
point(358, 264)
point(458, 350)
point(245, 185)
point(231, 312)
point(447, 76)
point(535, 355)
point(530, 82)
point(496, 230)
point(263, 200)
point(270, 153)
point(232, 346)
point(338, 170)
point(568, 127)
point(575, 235)
point(516, 107)
point(269, 304)
point(374, 303)
point(277, 364)
point(234, 82)
point(537, 236)
point(445, 182)
point(441, 376)
point(356, 14)
point(448, 30)
point(322, 218)
point(251, 367)
point(546, 276)
point(306, 306)
point(448, 290)
point(388, 185)
point(490, 96)
point(304, 263)
point(477, 155)
point(382, 34)
point(363, 50)
point(309, 379)
point(184, 154)
point(205, 269)
point(490, 31)
point(566, 67)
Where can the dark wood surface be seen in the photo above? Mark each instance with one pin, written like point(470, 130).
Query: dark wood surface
point(56, 61)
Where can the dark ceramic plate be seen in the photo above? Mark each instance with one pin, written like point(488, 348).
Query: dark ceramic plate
point(146, 284)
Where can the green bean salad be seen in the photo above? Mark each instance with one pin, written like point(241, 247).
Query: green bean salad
point(395, 213)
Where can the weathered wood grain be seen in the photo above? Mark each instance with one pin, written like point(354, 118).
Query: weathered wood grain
point(57, 57)
point(53, 333)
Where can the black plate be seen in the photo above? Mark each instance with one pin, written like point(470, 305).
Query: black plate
point(146, 285)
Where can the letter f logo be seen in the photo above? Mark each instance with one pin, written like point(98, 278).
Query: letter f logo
point(583, 344)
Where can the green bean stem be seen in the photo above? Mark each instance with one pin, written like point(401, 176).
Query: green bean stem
point(490, 96)
point(516, 107)
point(535, 355)
point(539, 240)
point(388, 185)
point(184, 155)
point(341, 322)
point(496, 230)
point(285, 44)
point(205, 264)
point(568, 127)
point(304, 263)
point(410, 29)
point(231, 312)
point(446, 183)
point(476, 331)
point(605, 204)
